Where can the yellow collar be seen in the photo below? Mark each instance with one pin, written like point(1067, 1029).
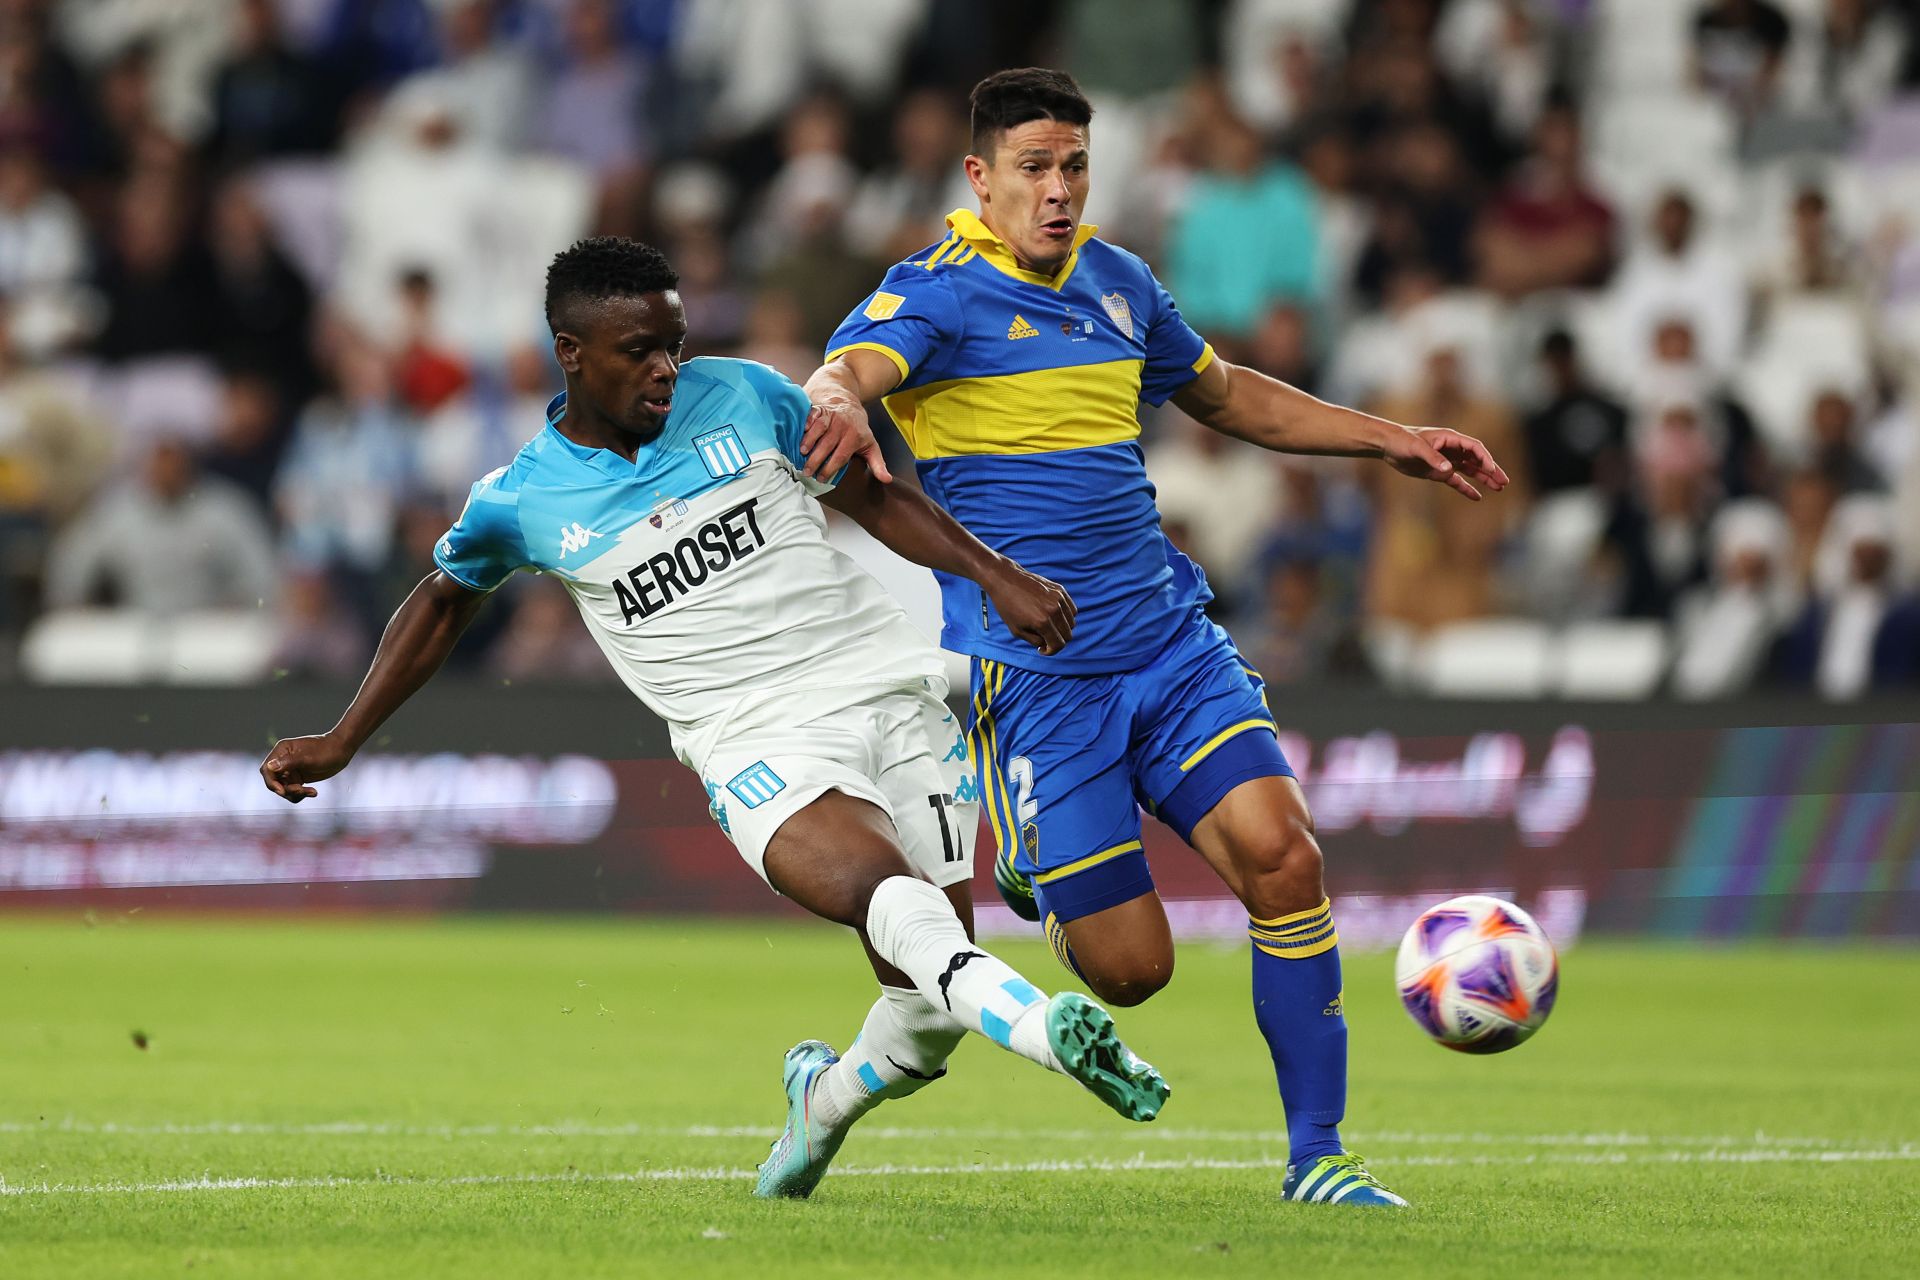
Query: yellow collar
point(995, 250)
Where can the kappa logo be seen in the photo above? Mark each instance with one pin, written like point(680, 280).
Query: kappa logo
point(954, 966)
point(717, 808)
point(1021, 329)
point(911, 1074)
point(574, 538)
point(968, 792)
point(883, 306)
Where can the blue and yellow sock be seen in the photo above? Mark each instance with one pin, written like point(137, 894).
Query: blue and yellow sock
point(1296, 1000)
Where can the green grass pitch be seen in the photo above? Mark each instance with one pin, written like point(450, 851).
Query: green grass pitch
point(583, 1098)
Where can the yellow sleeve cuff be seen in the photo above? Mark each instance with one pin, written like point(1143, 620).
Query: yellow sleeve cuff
point(1206, 358)
point(899, 361)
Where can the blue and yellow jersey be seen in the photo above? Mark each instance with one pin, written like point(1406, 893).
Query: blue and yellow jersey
point(1020, 396)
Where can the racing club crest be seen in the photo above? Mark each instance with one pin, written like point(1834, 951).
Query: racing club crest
point(723, 452)
point(1116, 305)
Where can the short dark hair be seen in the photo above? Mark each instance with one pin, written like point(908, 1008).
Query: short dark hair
point(1007, 99)
point(604, 267)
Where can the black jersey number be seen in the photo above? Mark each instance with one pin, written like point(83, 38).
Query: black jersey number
point(950, 844)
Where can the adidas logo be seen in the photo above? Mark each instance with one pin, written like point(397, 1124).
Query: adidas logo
point(1021, 329)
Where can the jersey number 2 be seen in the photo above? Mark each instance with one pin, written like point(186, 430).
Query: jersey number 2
point(1021, 770)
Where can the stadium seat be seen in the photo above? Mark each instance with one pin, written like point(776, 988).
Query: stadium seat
point(1888, 194)
point(1662, 137)
point(1563, 532)
point(1805, 15)
point(301, 199)
point(1807, 344)
point(1468, 321)
point(1614, 659)
point(1766, 199)
point(1391, 649)
point(1890, 134)
point(177, 397)
point(1641, 46)
point(1490, 658)
point(124, 646)
point(90, 646)
point(220, 647)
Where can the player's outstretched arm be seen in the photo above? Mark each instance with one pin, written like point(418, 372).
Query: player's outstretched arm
point(1245, 403)
point(919, 529)
point(417, 640)
point(837, 427)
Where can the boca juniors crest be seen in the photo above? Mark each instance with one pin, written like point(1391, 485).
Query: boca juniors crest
point(1116, 305)
point(668, 514)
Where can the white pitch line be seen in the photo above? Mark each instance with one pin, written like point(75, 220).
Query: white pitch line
point(1138, 1164)
point(578, 1129)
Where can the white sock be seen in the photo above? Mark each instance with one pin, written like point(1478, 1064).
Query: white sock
point(912, 926)
point(902, 1049)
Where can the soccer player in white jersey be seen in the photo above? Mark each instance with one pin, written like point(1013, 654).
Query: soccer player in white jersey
point(675, 504)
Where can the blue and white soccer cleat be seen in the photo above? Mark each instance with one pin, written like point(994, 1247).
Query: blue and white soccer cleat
point(801, 1154)
point(1341, 1179)
point(1083, 1040)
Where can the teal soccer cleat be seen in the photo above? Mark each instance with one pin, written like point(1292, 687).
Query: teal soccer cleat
point(1016, 889)
point(1341, 1179)
point(800, 1156)
point(1081, 1035)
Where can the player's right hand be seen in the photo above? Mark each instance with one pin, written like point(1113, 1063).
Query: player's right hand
point(837, 432)
point(1035, 609)
point(295, 762)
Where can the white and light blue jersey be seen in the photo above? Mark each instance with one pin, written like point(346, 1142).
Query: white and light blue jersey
point(702, 567)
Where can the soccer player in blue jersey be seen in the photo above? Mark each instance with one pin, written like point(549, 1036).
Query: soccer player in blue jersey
point(1013, 355)
point(672, 503)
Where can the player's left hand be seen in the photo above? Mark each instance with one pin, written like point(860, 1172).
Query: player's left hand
point(1456, 460)
point(835, 434)
point(1034, 608)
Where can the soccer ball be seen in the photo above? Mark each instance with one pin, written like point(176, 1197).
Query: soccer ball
point(1477, 974)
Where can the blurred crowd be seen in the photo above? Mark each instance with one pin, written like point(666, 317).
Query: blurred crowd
point(271, 272)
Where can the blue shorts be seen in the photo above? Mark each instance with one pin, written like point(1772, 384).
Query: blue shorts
point(1067, 762)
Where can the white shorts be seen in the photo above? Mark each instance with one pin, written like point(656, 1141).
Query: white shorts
point(900, 750)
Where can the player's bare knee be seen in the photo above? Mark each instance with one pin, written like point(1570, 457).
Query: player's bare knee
point(1124, 993)
point(1132, 981)
point(1281, 871)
